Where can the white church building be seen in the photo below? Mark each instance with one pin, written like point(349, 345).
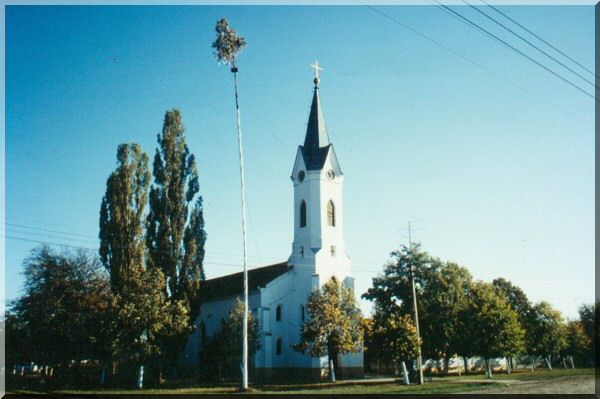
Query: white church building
point(278, 293)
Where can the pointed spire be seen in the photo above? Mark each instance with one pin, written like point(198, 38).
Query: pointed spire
point(316, 130)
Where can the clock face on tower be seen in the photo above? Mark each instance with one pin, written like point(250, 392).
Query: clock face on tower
point(301, 175)
point(330, 174)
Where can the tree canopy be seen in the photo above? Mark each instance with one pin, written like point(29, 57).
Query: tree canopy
point(333, 325)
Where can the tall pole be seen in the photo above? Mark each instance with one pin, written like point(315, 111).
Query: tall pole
point(234, 70)
point(414, 295)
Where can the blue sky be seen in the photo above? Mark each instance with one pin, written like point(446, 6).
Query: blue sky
point(495, 162)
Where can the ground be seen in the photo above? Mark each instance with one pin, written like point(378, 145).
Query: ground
point(558, 381)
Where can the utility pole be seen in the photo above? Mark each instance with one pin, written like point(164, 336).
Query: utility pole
point(414, 294)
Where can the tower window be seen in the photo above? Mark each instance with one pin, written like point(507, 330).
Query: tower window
point(332, 249)
point(302, 251)
point(278, 313)
point(330, 213)
point(278, 346)
point(303, 214)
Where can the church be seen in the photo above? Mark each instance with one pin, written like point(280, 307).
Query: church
point(278, 293)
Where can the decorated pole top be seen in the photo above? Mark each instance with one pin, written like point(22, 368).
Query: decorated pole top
point(316, 68)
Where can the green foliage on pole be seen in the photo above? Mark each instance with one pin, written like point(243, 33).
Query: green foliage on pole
point(227, 44)
point(333, 325)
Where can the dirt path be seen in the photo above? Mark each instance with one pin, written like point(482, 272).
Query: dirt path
point(566, 385)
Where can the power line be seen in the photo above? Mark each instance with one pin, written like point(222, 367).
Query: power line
point(529, 43)
point(493, 36)
point(92, 249)
point(236, 265)
point(467, 59)
point(537, 37)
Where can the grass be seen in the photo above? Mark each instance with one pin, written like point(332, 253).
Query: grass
point(451, 384)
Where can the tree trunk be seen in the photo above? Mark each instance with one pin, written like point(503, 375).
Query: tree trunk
point(532, 358)
point(405, 379)
point(331, 369)
point(572, 363)
point(466, 362)
point(548, 363)
point(140, 381)
point(446, 366)
point(508, 370)
point(103, 376)
point(564, 361)
point(489, 368)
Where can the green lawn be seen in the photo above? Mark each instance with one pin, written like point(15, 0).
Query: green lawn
point(452, 384)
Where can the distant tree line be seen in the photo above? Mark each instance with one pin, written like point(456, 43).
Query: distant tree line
point(133, 305)
point(466, 318)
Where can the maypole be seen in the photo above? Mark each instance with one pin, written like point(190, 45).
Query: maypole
point(227, 45)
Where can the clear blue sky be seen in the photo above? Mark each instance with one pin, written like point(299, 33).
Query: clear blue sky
point(496, 165)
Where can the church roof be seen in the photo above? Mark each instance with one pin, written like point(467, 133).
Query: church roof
point(233, 284)
point(316, 143)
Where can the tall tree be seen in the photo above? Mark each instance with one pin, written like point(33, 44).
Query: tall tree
point(498, 332)
point(175, 233)
point(578, 343)
point(333, 325)
point(441, 288)
point(143, 316)
point(518, 301)
point(549, 333)
point(62, 311)
point(121, 215)
point(588, 315)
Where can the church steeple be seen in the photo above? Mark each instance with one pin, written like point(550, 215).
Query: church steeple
point(316, 143)
point(316, 130)
point(318, 245)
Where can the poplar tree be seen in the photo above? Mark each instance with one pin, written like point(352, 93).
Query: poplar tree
point(175, 233)
point(333, 326)
point(121, 215)
point(142, 314)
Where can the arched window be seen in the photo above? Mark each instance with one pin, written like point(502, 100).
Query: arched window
point(303, 214)
point(330, 213)
point(278, 313)
point(278, 346)
point(302, 312)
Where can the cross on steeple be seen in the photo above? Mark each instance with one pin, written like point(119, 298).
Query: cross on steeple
point(317, 68)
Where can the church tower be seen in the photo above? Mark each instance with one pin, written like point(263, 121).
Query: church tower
point(318, 180)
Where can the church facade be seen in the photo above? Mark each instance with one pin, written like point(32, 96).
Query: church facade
point(278, 293)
